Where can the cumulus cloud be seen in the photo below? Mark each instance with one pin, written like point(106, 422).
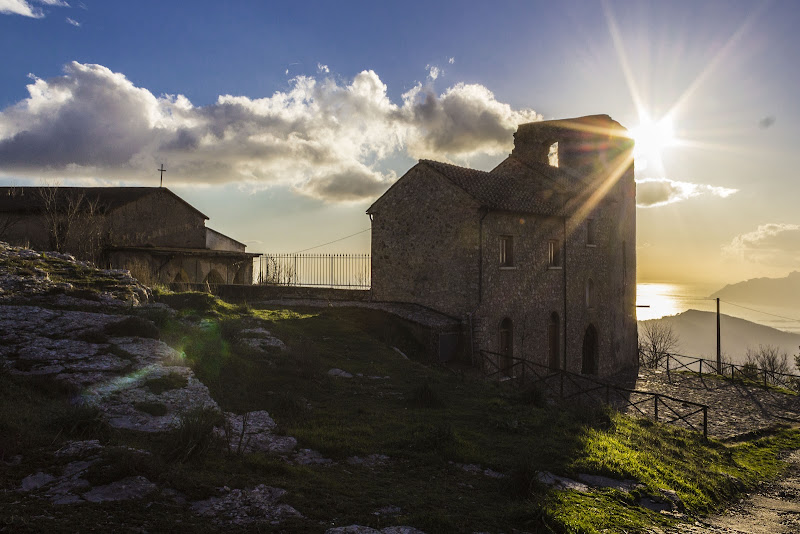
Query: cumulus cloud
point(73, 22)
point(324, 138)
point(433, 71)
point(653, 192)
point(26, 7)
point(776, 244)
point(323, 68)
point(451, 60)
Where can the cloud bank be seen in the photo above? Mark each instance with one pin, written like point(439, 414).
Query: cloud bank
point(322, 137)
point(775, 244)
point(653, 192)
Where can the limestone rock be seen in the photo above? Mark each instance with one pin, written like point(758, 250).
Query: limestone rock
point(253, 432)
point(122, 490)
point(36, 481)
point(561, 483)
point(339, 373)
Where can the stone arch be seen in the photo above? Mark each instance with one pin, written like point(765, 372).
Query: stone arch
point(213, 278)
point(506, 345)
point(181, 277)
point(589, 364)
point(554, 341)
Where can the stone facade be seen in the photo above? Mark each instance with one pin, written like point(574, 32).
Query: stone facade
point(536, 260)
point(149, 230)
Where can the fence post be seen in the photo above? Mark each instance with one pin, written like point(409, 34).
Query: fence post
point(705, 422)
point(655, 406)
point(669, 377)
point(701, 368)
point(765, 378)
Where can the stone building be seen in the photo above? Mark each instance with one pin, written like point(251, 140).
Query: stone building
point(536, 257)
point(146, 229)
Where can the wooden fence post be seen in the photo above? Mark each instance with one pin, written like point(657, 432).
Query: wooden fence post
point(705, 422)
point(655, 406)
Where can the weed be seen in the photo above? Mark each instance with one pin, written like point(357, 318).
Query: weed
point(133, 326)
point(424, 396)
point(153, 408)
point(194, 436)
point(167, 382)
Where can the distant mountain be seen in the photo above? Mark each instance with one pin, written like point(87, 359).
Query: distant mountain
point(782, 292)
point(697, 333)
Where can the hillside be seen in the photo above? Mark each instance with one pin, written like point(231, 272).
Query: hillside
point(151, 411)
point(697, 333)
point(774, 292)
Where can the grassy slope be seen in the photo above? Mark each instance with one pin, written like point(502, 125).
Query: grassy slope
point(424, 418)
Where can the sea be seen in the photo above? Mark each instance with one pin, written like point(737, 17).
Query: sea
point(655, 300)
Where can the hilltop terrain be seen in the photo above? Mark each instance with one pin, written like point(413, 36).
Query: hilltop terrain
point(127, 409)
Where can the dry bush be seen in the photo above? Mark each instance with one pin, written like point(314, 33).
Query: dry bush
point(656, 341)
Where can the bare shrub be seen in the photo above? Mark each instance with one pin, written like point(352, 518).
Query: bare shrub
point(656, 341)
point(768, 358)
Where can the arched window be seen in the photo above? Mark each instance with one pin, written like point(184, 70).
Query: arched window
point(590, 293)
point(589, 364)
point(506, 344)
point(554, 341)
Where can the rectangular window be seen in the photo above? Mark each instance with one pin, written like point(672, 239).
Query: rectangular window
point(590, 232)
point(555, 253)
point(506, 251)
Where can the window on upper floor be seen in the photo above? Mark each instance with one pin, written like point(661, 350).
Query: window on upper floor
point(506, 251)
point(590, 233)
point(554, 248)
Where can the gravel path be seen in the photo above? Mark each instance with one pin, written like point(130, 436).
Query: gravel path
point(733, 408)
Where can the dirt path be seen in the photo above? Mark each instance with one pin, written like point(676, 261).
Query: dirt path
point(772, 509)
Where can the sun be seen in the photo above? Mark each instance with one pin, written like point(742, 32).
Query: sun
point(652, 137)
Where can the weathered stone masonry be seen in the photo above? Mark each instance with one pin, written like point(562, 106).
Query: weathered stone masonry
point(477, 246)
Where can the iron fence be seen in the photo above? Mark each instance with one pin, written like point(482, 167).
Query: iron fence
point(572, 386)
point(313, 270)
point(749, 374)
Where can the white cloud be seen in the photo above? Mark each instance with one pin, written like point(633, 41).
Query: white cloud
point(73, 22)
point(433, 71)
point(26, 9)
point(654, 192)
point(323, 138)
point(323, 68)
point(776, 244)
point(451, 60)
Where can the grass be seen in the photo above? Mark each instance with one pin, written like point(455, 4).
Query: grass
point(425, 418)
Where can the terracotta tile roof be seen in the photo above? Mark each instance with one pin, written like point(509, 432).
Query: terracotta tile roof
point(28, 199)
point(526, 190)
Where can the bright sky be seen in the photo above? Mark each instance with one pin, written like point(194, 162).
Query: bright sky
point(284, 122)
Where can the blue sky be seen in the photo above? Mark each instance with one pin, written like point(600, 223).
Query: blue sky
point(284, 121)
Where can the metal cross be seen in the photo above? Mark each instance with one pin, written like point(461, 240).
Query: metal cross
point(162, 169)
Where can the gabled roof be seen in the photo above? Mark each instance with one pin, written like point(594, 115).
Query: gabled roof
point(529, 190)
point(29, 199)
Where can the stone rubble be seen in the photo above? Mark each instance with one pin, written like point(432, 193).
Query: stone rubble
point(246, 507)
point(253, 432)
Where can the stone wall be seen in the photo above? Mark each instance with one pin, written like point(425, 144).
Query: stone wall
point(425, 246)
point(159, 219)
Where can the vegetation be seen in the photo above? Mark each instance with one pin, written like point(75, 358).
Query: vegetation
point(428, 420)
point(656, 341)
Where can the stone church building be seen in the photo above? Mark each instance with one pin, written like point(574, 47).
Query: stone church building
point(536, 257)
point(137, 228)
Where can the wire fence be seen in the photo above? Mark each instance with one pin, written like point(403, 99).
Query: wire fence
point(313, 270)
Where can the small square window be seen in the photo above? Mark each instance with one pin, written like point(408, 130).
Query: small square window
point(590, 232)
point(506, 251)
point(555, 253)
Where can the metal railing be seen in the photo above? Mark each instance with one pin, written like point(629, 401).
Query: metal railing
point(572, 386)
point(749, 374)
point(313, 270)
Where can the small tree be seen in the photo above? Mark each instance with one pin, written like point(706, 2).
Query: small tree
point(656, 341)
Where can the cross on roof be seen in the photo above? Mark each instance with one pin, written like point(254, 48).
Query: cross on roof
point(163, 170)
